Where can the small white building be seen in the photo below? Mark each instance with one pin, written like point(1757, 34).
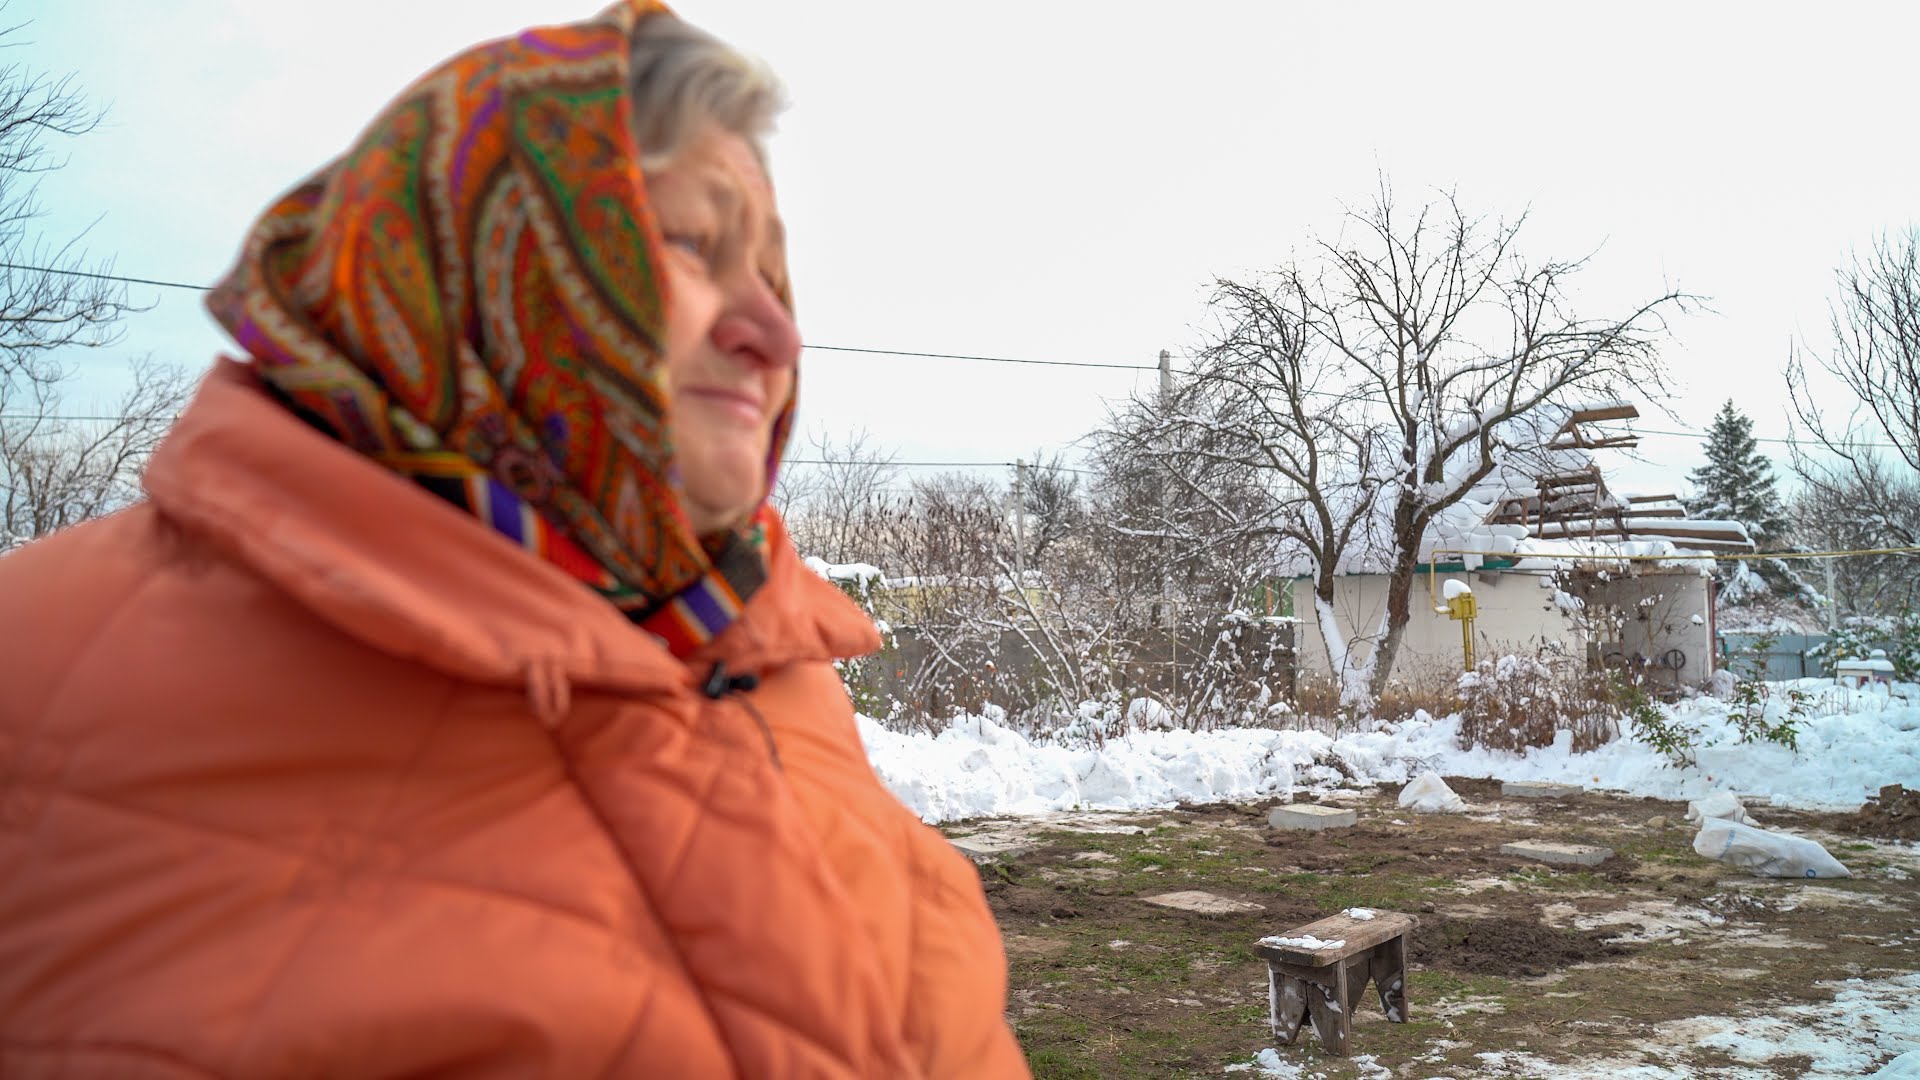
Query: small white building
point(1556, 563)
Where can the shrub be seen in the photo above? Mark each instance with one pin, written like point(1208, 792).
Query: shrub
point(1753, 702)
point(1650, 724)
point(1859, 635)
point(1515, 702)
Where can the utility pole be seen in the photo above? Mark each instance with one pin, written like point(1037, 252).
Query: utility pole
point(1020, 525)
point(1833, 598)
point(1166, 407)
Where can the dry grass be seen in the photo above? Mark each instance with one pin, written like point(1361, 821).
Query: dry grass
point(1422, 689)
point(1433, 690)
point(1316, 695)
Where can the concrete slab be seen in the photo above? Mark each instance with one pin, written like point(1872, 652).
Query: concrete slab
point(1559, 854)
point(1311, 817)
point(1531, 789)
point(1078, 874)
point(1098, 829)
point(1204, 903)
point(988, 848)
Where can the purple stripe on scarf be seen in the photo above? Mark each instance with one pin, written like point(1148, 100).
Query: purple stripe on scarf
point(463, 150)
point(503, 511)
point(537, 42)
point(700, 602)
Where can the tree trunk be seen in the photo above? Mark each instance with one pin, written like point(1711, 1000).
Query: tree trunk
point(1400, 581)
point(1350, 676)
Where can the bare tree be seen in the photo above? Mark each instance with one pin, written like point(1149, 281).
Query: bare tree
point(1860, 463)
point(1190, 524)
point(1869, 506)
point(1875, 323)
point(46, 301)
point(984, 615)
point(1051, 505)
point(1371, 388)
point(837, 495)
point(57, 470)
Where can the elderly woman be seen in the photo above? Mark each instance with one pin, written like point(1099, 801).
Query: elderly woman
point(456, 705)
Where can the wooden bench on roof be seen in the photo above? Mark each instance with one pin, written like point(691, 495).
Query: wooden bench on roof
point(1322, 970)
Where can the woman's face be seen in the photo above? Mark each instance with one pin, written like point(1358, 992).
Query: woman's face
point(732, 345)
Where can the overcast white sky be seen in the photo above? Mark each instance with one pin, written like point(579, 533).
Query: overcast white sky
point(1061, 180)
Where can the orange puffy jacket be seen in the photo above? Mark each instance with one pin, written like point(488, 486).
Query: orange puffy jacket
point(305, 773)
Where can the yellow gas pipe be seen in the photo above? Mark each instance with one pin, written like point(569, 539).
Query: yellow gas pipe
point(1462, 609)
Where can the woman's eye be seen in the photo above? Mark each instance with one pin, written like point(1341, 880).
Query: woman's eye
point(692, 243)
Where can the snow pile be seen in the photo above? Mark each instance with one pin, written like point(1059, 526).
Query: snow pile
point(1148, 714)
point(978, 768)
point(1852, 743)
point(1904, 1067)
point(1429, 794)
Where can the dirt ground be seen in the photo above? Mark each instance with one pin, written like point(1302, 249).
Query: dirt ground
point(1523, 961)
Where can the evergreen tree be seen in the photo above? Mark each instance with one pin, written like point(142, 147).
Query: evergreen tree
point(1736, 483)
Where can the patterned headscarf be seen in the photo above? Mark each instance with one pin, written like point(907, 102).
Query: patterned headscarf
point(473, 297)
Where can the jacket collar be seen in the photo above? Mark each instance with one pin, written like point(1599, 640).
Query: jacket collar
point(410, 575)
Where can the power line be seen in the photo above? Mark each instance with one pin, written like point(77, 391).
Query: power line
point(989, 359)
point(903, 464)
point(105, 277)
point(1698, 435)
point(819, 348)
point(65, 416)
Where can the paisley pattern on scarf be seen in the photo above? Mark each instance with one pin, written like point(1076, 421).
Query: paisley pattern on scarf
point(472, 296)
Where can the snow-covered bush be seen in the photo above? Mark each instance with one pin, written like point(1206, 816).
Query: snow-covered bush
point(862, 675)
point(1858, 636)
point(1515, 702)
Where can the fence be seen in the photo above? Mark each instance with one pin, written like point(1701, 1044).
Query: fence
point(1791, 656)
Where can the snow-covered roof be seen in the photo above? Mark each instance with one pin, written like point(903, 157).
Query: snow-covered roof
point(1552, 501)
point(856, 573)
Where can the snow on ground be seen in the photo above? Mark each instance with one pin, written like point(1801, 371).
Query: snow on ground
point(1854, 741)
point(1868, 1022)
point(1269, 1065)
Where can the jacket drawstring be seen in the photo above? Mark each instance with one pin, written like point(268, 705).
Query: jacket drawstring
point(548, 691)
point(719, 684)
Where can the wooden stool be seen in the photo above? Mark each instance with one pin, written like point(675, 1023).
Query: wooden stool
point(1322, 969)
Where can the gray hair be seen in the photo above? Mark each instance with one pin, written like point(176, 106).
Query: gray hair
point(683, 78)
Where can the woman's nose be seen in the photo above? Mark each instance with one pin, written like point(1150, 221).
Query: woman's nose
point(757, 326)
